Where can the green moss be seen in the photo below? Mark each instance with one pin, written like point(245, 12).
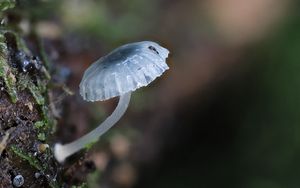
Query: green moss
point(6, 72)
point(3, 46)
point(39, 124)
point(27, 157)
point(50, 123)
point(41, 136)
point(35, 91)
point(11, 86)
point(9, 80)
point(7, 4)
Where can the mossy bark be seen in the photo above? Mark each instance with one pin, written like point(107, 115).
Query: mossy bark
point(26, 123)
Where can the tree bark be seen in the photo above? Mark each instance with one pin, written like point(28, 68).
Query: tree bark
point(26, 119)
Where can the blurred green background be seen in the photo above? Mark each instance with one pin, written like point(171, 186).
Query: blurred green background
point(226, 114)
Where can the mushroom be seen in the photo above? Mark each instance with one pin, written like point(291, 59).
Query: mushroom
point(119, 73)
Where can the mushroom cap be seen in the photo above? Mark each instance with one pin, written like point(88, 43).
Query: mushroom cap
point(124, 70)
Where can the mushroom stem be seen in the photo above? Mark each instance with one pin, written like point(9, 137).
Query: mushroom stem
point(61, 152)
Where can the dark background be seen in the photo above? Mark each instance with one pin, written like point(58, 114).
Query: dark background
point(226, 114)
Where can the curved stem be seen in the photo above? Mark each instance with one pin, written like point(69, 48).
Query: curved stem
point(61, 152)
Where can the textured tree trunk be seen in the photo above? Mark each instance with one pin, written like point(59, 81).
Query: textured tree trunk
point(26, 121)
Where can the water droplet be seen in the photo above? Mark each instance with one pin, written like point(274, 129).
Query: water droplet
point(18, 181)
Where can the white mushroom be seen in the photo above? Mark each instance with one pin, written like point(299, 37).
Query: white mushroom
point(119, 73)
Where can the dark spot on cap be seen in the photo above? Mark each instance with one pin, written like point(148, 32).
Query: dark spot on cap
point(153, 49)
